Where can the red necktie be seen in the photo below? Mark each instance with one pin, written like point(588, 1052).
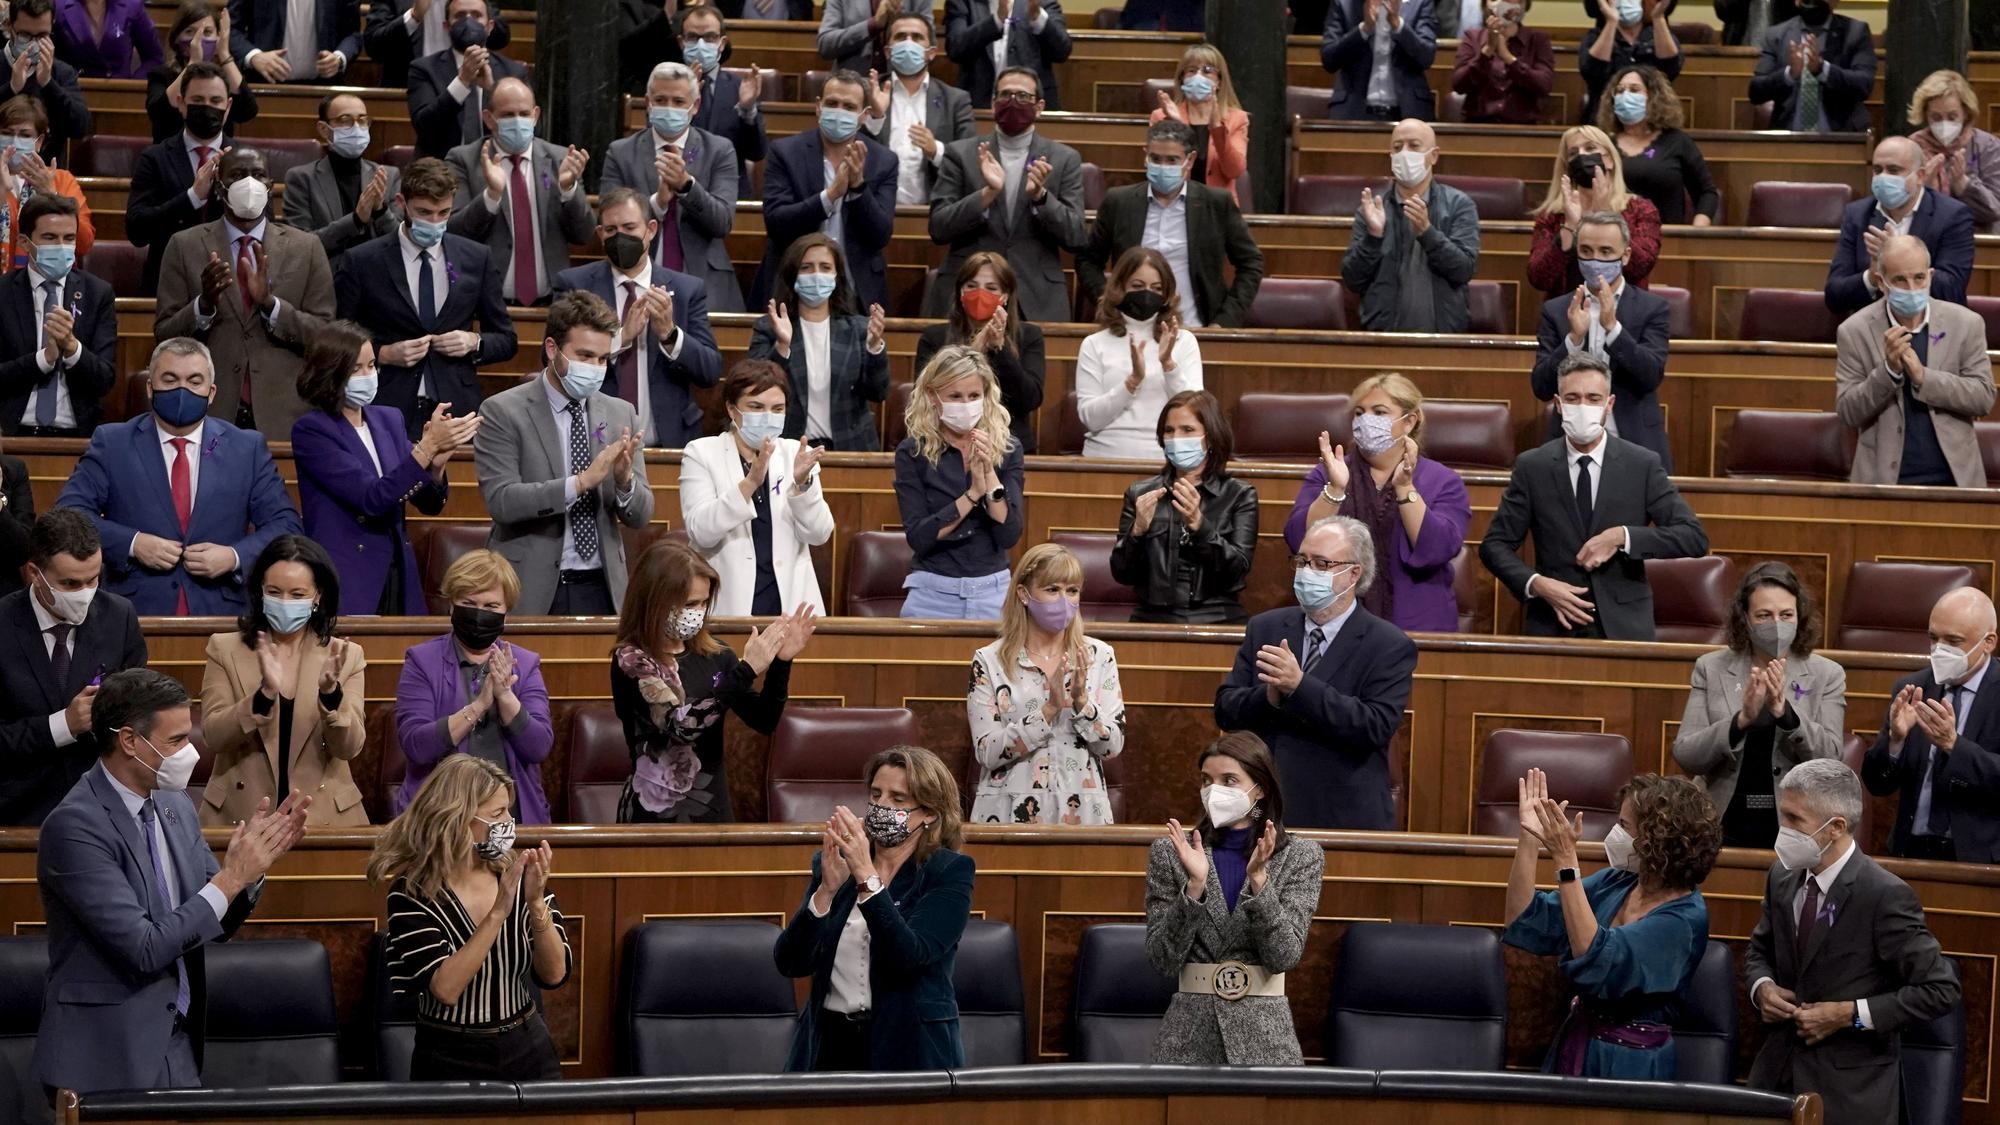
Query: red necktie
point(244, 264)
point(628, 364)
point(183, 500)
point(670, 253)
point(526, 290)
point(201, 154)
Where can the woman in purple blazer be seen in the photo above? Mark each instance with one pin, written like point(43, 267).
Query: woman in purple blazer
point(121, 43)
point(357, 470)
point(1417, 508)
point(470, 692)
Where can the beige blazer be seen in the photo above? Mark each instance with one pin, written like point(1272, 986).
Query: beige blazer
point(1958, 387)
point(242, 743)
point(1815, 687)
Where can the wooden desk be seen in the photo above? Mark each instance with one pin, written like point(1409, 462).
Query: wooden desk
point(118, 108)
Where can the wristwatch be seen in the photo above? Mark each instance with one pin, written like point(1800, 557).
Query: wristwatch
point(874, 885)
point(1567, 874)
point(1409, 499)
point(998, 495)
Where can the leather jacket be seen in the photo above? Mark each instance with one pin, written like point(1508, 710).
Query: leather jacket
point(1188, 577)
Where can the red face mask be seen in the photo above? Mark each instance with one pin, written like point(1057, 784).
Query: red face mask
point(979, 304)
point(1014, 118)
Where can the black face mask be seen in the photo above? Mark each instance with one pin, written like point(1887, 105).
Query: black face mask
point(1814, 14)
point(468, 33)
point(476, 628)
point(625, 250)
point(204, 121)
point(1142, 304)
point(1583, 169)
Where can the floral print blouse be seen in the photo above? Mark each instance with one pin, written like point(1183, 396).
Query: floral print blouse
point(1035, 770)
point(672, 714)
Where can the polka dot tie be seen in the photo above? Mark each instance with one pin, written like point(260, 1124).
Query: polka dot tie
point(583, 513)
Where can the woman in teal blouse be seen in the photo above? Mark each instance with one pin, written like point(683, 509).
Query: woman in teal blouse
point(1629, 936)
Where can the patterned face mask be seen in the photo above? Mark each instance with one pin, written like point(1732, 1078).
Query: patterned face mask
point(888, 826)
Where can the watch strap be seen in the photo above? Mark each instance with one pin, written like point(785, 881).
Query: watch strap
point(1567, 874)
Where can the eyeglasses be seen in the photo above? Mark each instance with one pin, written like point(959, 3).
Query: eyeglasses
point(1320, 566)
point(713, 38)
point(350, 120)
point(1018, 97)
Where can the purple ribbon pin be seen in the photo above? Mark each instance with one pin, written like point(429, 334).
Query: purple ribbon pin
point(1936, 336)
point(208, 450)
point(598, 434)
point(1798, 691)
point(450, 273)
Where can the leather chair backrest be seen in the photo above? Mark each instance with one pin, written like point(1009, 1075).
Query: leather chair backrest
point(894, 411)
point(992, 1019)
point(393, 1015)
point(1149, 96)
point(1695, 32)
point(1691, 598)
point(1469, 435)
point(811, 83)
point(1585, 768)
point(1465, 569)
point(703, 997)
point(1705, 1030)
point(282, 154)
point(1933, 1066)
point(1104, 597)
point(1486, 309)
point(1790, 445)
point(399, 156)
point(1309, 102)
point(877, 563)
point(390, 766)
point(1093, 185)
point(121, 265)
point(1988, 309)
point(439, 544)
point(599, 763)
point(1888, 604)
point(1328, 195)
point(1791, 203)
point(1120, 997)
point(1988, 435)
point(1105, 19)
point(1286, 427)
point(1299, 303)
point(1797, 316)
point(1069, 428)
point(639, 539)
point(24, 966)
point(818, 754)
point(204, 761)
point(1452, 112)
point(1497, 197)
point(1680, 310)
point(270, 1014)
point(110, 156)
point(1854, 754)
point(1450, 1016)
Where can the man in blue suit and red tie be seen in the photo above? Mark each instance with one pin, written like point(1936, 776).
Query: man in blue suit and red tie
point(173, 491)
point(665, 348)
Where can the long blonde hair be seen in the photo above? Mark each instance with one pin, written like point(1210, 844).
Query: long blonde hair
point(1202, 54)
point(426, 844)
point(1614, 166)
point(948, 366)
point(1044, 562)
point(1401, 391)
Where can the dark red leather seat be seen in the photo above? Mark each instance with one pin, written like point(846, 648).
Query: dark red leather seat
point(1790, 445)
point(1680, 310)
point(1584, 768)
point(1790, 203)
point(1104, 597)
point(1797, 316)
point(1309, 102)
point(108, 156)
point(1888, 604)
point(438, 544)
point(1497, 197)
point(282, 154)
point(1093, 185)
point(1469, 435)
point(1486, 309)
point(894, 411)
point(1333, 196)
point(1691, 598)
point(121, 265)
point(877, 563)
point(1286, 427)
point(599, 764)
point(1988, 434)
point(1069, 428)
point(1299, 303)
point(817, 755)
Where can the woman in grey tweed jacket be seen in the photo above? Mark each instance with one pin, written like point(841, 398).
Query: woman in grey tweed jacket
point(1228, 910)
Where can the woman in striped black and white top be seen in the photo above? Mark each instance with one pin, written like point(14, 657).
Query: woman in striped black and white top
point(473, 930)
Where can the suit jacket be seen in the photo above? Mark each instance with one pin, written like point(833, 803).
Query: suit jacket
point(794, 180)
point(857, 379)
point(913, 929)
point(355, 512)
point(1735, 17)
point(1817, 701)
point(390, 43)
point(108, 1005)
point(443, 124)
point(1967, 776)
point(947, 114)
point(34, 772)
point(717, 115)
point(1638, 360)
point(15, 520)
point(1032, 237)
point(1941, 222)
point(1346, 52)
point(849, 42)
point(429, 693)
point(1870, 944)
point(260, 25)
point(93, 374)
point(704, 214)
point(1267, 930)
point(1373, 267)
point(670, 382)
point(312, 204)
point(1958, 389)
point(244, 744)
point(1330, 736)
point(246, 344)
point(62, 99)
point(718, 518)
point(566, 221)
point(521, 473)
point(373, 290)
point(159, 207)
point(1847, 47)
point(1632, 491)
point(969, 35)
point(121, 482)
point(1216, 231)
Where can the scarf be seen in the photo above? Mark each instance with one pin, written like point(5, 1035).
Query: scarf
point(1376, 507)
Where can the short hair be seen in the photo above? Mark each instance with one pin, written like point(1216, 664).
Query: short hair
point(1027, 72)
point(1938, 84)
point(132, 697)
point(1782, 577)
point(579, 308)
point(1607, 219)
point(62, 531)
point(198, 71)
point(1677, 831)
point(479, 570)
point(1827, 785)
point(24, 109)
point(1167, 129)
point(622, 197)
point(1583, 361)
point(326, 103)
point(298, 549)
point(181, 346)
point(754, 376)
point(331, 354)
point(930, 28)
point(674, 72)
point(1401, 390)
point(429, 179)
point(1359, 538)
point(1214, 425)
point(41, 205)
point(30, 8)
point(846, 77)
point(691, 11)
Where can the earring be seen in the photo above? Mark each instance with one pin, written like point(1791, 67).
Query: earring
point(1256, 810)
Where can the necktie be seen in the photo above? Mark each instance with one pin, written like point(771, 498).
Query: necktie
point(1808, 116)
point(59, 655)
point(244, 264)
point(670, 253)
point(183, 487)
point(201, 155)
point(583, 513)
point(1315, 644)
point(1583, 502)
point(426, 292)
point(147, 818)
point(1933, 817)
point(526, 289)
point(628, 363)
point(45, 398)
point(1808, 917)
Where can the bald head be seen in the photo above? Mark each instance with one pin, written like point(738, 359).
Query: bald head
point(1413, 153)
point(512, 93)
point(1963, 619)
point(1905, 263)
point(1412, 133)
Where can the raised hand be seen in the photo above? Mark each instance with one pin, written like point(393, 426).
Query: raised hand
point(336, 659)
point(991, 173)
point(1903, 714)
point(1417, 210)
point(571, 170)
point(1036, 178)
point(673, 170)
point(1373, 212)
point(926, 142)
point(536, 862)
point(764, 644)
point(1532, 790)
point(833, 873)
point(1572, 203)
point(750, 89)
point(1259, 869)
point(1143, 507)
point(1170, 337)
point(760, 467)
point(216, 279)
point(878, 90)
point(270, 670)
point(876, 327)
point(1170, 107)
point(1556, 831)
point(1278, 668)
point(1579, 316)
point(257, 281)
point(1187, 503)
point(373, 194)
point(1756, 698)
point(798, 630)
point(1334, 459)
point(491, 171)
point(1194, 860)
point(781, 326)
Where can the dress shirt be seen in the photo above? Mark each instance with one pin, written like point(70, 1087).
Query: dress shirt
point(559, 406)
point(440, 282)
point(1167, 232)
point(1825, 879)
point(134, 803)
point(1889, 226)
point(493, 205)
point(457, 88)
point(1327, 632)
point(1920, 818)
point(1572, 456)
point(203, 321)
point(816, 337)
point(44, 620)
point(848, 989)
point(1000, 45)
point(433, 34)
point(193, 456)
point(302, 40)
point(214, 147)
point(65, 410)
point(1598, 339)
point(833, 227)
point(907, 109)
point(641, 275)
point(368, 443)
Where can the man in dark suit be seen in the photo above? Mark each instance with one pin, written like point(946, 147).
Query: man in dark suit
point(1598, 506)
point(34, 70)
point(1194, 226)
point(421, 310)
point(1817, 69)
point(173, 184)
point(1324, 683)
point(1939, 748)
point(449, 89)
point(59, 328)
point(132, 894)
point(1898, 204)
point(62, 635)
point(343, 197)
point(265, 40)
point(985, 37)
point(730, 105)
point(1736, 17)
point(664, 348)
point(832, 181)
point(17, 515)
point(688, 179)
point(521, 196)
point(1622, 325)
point(1841, 960)
point(1347, 47)
point(398, 32)
point(915, 114)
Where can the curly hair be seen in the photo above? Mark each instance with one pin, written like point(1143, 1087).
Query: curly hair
point(1663, 106)
point(1679, 831)
point(1780, 576)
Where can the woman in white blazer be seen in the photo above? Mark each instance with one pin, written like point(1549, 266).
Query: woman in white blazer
point(758, 536)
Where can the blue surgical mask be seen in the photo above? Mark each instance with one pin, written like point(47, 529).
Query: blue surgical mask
point(1313, 589)
point(1909, 302)
point(907, 58)
point(349, 141)
point(1197, 87)
point(360, 390)
point(581, 380)
point(1630, 12)
point(702, 56)
point(1630, 107)
point(668, 121)
point(54, 260)
point(287, 615)
point(1186, 453)
point(814, 288)
point(756, 428)
point(1890, 191)
point(838, 125)
point(426, 233)
point(22, 146)
point(1601, 273)
point(514, 134)
point(179, 406)
point(1165, 178)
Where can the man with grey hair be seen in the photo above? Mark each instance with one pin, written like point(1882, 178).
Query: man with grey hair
point(1898, 204)
point(689, 178)
point(1841, 956)
point(1324, 683)
point(1621, 325)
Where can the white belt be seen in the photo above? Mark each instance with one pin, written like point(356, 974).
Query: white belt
point(1231, 980)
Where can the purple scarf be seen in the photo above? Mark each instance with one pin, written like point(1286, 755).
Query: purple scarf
point(1376, 507)
point(1584, 1025)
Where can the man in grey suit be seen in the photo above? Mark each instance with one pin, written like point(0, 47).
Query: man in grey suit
point(343, 197)
point(533, 208)
point(1598, 506)
point(1015, 192)
point(688, 177)
point(1841, 960)
point(913, 113)
point(132, 894)
point(561, 467)
point(850, 30)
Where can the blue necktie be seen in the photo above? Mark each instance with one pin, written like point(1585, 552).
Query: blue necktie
point(147, 818)
point(45, 397)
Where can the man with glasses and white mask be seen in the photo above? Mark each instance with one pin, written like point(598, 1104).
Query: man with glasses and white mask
point(1324, 683)
point(1412, 257)
point(1841, 960)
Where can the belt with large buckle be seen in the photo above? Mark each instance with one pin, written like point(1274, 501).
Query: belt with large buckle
point(1231, 980)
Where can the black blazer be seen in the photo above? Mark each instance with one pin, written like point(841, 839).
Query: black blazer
point(391, 44)
point(1849, 50)
point(969, 33)
point(95, 372)
point(260, 25)
point(15, 520)
point(1633, 491)
point(1968, 775)
point(794, 178)
point(1216, 232)
point(441, 123)
point(1735, 17)
point(159, 207)
point(34, 773)
point(717, 114)
point(1020, 375)
point(858, 379)
point(1331, 736)
point(1638, 365)
point(1183, 577)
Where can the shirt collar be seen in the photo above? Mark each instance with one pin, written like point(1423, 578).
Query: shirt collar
point(1825, 878)
point(255, 234)
point(558, 401)
point(1971, 683)
point(1180, 196)
point(410, 248)
point(193, 142)
point(1915, 206)
point(1332, 628)
point(133, 801)
point(44, 620)
point(1595, 452)
point(36, 279)
point(898, 90)
point(1923, 325)
point(193, 436)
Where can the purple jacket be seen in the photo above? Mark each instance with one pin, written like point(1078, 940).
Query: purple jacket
point(1421, 575)
point(430, 691)
point(356, 514)
point(128, 28)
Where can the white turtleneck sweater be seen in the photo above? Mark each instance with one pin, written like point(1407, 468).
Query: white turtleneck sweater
point(1117, 422)
point(1013, 158)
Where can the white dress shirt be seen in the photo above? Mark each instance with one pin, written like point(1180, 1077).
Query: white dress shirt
point(848, 987)
point(642, 277)
point(1920, 823)
point(1574, 457)
point(1889, 226)
point(302, 40)
point(204, 320)
point(44, 620)
point(503, 207)
point(1825, 879)
point(134, 802)
point(999, 48)
point(559, 406)
point(193, 438)
point(432, 36)
point(194, 144)
point(1167, 232)
point(816, 337)
point(833, 226)
point(457, 88)
point(65, 409)
point(440, 282)
point(907, 109)
point(368, 443)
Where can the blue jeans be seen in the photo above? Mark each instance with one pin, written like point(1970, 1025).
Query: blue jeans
point(956, 599)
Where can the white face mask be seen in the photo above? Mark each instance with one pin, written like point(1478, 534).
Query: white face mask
point(688, 622)
point(1226, 807)
point(1619, 851)
point(962, 416)
point(1949, 665)
point(68, 606)
point(1409, 167)
point(247, 198)
point(174, 769)
point(1796, 849)
point(1583, 423)
point(1946, 131)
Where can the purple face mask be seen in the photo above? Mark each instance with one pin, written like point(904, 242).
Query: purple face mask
point(1052, 616)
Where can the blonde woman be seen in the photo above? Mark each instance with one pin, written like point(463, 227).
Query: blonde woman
point(473, 929)
point(1960, 159)
point(1661, 162)
point(958, 485)
point(1044, 704)
point(1205, 100)
point(1137, 359)
point(1589, 176)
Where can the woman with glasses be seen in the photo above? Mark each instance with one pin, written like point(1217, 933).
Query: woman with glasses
point(1589, 177)
point(1205, 101)
point(1186, 537)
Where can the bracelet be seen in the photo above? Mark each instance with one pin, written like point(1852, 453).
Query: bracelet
point(1326, 494)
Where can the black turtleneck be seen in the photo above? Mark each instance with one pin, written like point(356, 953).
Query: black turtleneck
point(346, 177)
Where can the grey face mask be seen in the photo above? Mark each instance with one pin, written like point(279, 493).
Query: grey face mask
point(1774, 638)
